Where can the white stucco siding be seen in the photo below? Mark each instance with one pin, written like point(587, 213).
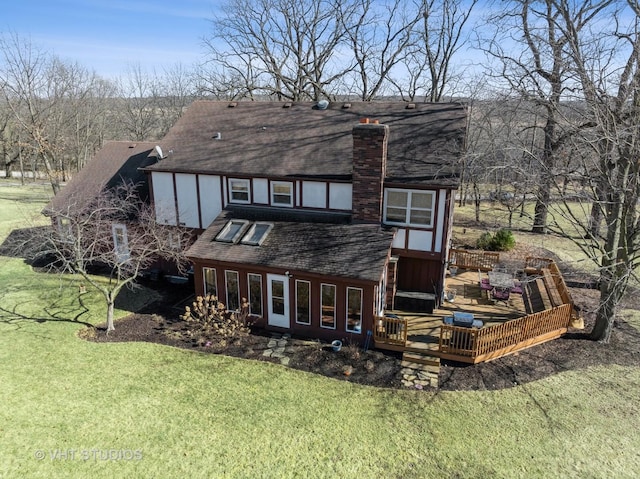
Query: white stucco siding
point(210, 198)
point(163, 198)
point(400, 238)
point(340, 196)
point(420, 240)
point(260, 191)
point(187, 193)
point(314, 194)
point(440, 221)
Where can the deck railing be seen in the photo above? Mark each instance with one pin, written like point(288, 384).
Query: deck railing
point(390, 330)
point(560, 284)
point(476, 345)
point(482, 260)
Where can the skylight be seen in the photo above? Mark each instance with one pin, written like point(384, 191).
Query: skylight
point(257, 234)
point(231, 231)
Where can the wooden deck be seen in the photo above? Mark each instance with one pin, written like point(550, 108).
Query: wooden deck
point(542, 313)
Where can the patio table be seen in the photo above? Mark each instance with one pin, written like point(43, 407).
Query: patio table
point(498, 279)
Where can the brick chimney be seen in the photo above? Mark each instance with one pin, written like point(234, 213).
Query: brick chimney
point(369, 170)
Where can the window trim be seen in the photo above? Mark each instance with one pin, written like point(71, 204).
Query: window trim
point(408, 207)
point(225, 229)
point(272, 185)
point(358, 331)
point(252, 229)
point(226, 288)
point(259, 276)
point(335, 294)
point(204, 280)
point(247, 182)
point(308, 301)
point(122, 252)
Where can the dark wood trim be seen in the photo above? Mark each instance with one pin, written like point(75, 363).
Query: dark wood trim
point(199, 202)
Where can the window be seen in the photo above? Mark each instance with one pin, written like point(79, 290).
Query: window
point(409, 207)
point(231, 231)
point(328, 306)
point(255, 294)
point(233, 290)
point(120, 242)
point(210, 281)
point(239, 191)
point(257, 234)
point(64, 229)
point(303, 302)
point(354, 310)
point(281, 193)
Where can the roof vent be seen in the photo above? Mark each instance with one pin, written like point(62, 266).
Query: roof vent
point(346, 105)
point(233, 104)
point(323, 105)
point(287, 105)
point(411, 106)
point(159, 152)
point(217, 136)
point(132, 145)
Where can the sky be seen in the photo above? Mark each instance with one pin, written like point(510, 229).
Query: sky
point(108, 35)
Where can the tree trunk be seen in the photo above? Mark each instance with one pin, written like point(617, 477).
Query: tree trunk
point(110, 308)
point(605, 316)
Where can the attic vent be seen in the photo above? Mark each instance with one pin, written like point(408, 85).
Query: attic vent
point(159, 152)
point(346, 105)
point(233, 104)
point(287, 105)
point(411, 106)
point(323, 105)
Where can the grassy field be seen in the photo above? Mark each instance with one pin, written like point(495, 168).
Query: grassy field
point(75, 409)
point(495, 216)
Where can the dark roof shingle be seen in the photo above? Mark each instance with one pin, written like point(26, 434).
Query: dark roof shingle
point(357, 251)
point(114, 162)
point(267, 139)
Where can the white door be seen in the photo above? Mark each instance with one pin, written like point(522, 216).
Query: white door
point(278, 295)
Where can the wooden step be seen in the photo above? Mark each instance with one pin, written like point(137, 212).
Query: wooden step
point(421, 359)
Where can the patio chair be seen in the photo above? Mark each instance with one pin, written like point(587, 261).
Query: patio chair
point(517, 288)
point(484, 282)
point(500, 295)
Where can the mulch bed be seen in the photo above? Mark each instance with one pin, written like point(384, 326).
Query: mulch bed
point(160, 323)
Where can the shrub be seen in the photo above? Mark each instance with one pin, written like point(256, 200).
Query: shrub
point(485, 241)
point(502, 240)
point(212, 316)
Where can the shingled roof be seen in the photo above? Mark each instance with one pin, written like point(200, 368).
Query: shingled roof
point(357, 251)
point(279, 139)
point(114, 162)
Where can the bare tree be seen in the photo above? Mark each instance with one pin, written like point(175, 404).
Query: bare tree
point(286, 49)
point(429, 61)
point(531, 49)
point(607, 68)
point(115, 232)
point(140, 95)
point(380, 37)
point(46, 97)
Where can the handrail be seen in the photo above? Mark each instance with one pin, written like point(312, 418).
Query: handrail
point(482, 260)
point(390, 330)
point(476, 343)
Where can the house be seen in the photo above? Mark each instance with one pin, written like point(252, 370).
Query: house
point(321, 215)
point(115, 163)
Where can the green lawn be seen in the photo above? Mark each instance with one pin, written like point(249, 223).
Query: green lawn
point(168, 413)
point(494, 216)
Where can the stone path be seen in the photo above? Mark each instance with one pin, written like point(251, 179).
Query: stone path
point(417, 375)
point(277, 348)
